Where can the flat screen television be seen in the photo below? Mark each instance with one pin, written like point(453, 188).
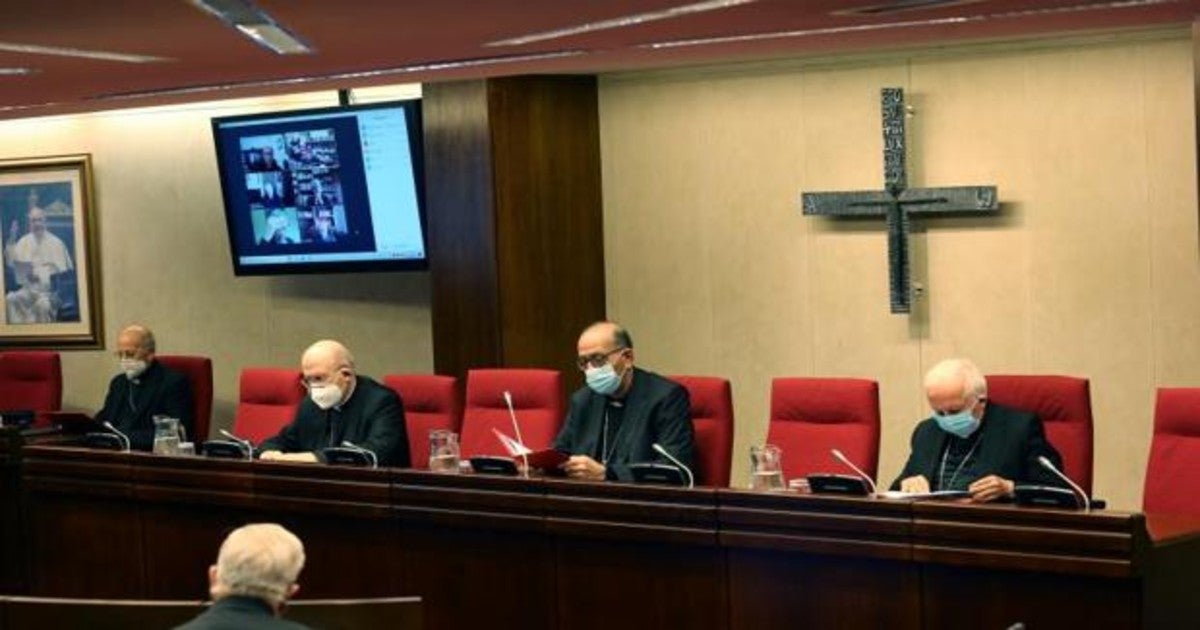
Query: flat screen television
point(324, 190)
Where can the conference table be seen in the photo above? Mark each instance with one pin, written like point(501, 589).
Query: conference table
point(510, 552)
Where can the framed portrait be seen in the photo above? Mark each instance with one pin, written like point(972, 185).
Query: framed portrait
point(50, 287)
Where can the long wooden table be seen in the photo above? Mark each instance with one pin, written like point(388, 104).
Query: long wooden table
point(546, 553)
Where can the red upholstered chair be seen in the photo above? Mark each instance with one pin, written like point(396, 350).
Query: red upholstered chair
point(537, 399)
point(1174, 464)
point(30, 381)
point(199, 373)
point(712, 420)
point(812, 416)
point(267, 400)
point(430, 402)
point(1064, 403)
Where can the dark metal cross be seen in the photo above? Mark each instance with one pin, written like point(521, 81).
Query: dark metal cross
point(897, 202)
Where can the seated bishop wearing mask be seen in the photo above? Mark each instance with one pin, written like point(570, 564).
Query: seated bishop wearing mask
point(974, 445)
point(341, 406)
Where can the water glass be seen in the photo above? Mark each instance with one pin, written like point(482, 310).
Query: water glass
point(766, 468)
point(443, 451)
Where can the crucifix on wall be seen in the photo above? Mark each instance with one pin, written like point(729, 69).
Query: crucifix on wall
point(897, 202)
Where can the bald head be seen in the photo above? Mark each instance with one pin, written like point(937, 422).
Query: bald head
point(605, 334)
point(327, 354)
point(953, 384)
point(136, 341)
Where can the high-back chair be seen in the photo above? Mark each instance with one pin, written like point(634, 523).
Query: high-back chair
point(430, 402)
point(712, 422)
point(267, 401)
point(30, 381)
point(1064, 403)
point(537, 402)
point(199, 372)
point(1174, 465)
point(812, 416)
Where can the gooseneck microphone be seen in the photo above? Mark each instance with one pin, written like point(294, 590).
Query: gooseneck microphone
point(662, 451)
point(517, 428)
point(365, 451)
point(1045, 462)
point(845, 460)
point(124, 438)
point(243, 443)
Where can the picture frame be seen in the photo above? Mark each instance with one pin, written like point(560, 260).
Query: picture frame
point(50, 294)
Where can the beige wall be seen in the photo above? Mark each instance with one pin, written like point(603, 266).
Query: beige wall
point(165, 257)
point(1093, 269)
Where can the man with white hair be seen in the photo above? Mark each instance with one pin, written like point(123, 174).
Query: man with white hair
point(341, 406)
point(253, 578)
point(972, 444)
point(35, 259)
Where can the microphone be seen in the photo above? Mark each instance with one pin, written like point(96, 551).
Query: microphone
point(842, 458)
point(517, 428)
point(1045, 462)
point(662, 451)
point(365, 451)
point(124, 438)
point(243, 443)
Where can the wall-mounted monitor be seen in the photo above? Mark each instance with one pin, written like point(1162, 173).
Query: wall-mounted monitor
point(324, 190)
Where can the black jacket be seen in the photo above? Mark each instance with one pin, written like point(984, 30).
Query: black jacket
point(131, 405)
point(1010, 442)
point(239, 613)
point(654, 410)
point(373, 418)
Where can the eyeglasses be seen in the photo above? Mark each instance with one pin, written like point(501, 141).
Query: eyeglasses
point(596, 360)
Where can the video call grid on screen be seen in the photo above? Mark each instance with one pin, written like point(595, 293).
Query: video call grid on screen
point(320, 188)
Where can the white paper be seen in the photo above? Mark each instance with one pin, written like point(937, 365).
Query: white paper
point(514, 448)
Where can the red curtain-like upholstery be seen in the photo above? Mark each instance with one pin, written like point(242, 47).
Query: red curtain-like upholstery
point(430, 402)
point(1064, 403)
point(267, 400)
point(199, 372)
point(1173, 471)
point(30, 381)
point(712, 419)
point(812, 416)
point(537, 400)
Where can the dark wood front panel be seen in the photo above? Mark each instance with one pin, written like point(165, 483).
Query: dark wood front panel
point(344, 518)
point(606, 584)
point(13, 561)
point(816, 591)
point(85, 537)
point(186, 507)
point(475, 550)
point(957, 597)
point(636, 556)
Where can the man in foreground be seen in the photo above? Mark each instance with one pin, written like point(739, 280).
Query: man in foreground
point(253, 578)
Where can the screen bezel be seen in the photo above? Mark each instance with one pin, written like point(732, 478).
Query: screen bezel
point(413, 120)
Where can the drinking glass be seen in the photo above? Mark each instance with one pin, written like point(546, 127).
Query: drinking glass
point(766, 468)
point(443, 451)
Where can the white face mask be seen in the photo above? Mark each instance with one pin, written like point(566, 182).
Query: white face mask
point(133, 368)
point(325, 395)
